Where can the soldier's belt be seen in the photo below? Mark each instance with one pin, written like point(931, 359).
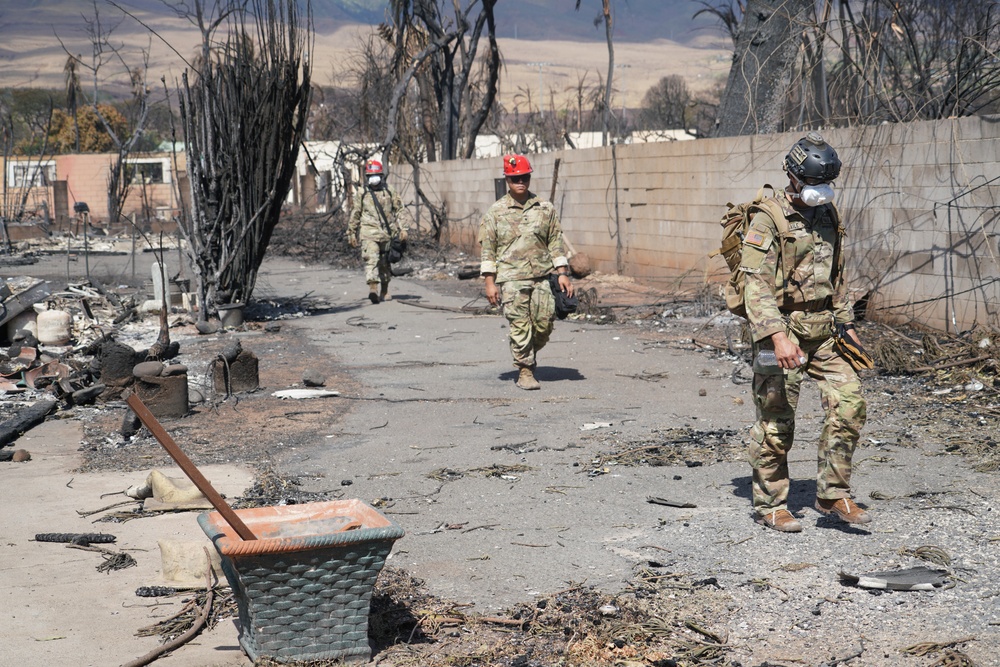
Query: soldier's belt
point(806, 306)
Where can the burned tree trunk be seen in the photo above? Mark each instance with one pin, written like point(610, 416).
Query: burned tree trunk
point(439, 47)
point(243, 114)
point(766, 49)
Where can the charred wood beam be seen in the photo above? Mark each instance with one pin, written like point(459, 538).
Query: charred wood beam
point(23, 421)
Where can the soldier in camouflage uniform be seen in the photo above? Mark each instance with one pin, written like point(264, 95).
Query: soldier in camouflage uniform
point(795, 298)
point(522, 243)
point(368, 229)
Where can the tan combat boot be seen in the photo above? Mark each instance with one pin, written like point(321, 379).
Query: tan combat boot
point(373, 292)
point(780, 520)
point(526, 380)
point(384, 292)
point(843, 508)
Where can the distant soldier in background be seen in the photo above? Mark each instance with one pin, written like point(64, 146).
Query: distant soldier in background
point(378, 216)
point(522, 243)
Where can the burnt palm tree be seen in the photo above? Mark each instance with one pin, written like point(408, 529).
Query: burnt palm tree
point(73, 95)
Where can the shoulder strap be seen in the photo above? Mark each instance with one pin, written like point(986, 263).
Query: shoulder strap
point(773, 210)
point(768, 205)
point(381, 213)
point(838, 255)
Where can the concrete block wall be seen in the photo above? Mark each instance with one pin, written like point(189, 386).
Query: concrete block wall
point(920, 201)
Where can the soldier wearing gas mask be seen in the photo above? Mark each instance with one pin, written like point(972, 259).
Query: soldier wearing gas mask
point(377, 218)
point(796, 301)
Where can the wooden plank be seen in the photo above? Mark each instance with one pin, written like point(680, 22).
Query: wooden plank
point(189, 468)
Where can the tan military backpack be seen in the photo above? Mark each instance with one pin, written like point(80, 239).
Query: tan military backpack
point(735, 223)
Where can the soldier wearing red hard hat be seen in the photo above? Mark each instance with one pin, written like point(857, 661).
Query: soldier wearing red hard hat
point(377, 218)
point(522, 243)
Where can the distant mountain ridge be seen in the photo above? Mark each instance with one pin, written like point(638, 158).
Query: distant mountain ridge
point(545, 43)
point(634, 20)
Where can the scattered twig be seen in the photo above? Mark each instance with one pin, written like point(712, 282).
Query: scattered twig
point(104, 509)
point(925, 648)
point(958, 508)
point(707, 633)
point(488, 526)
point(187, 636)
point(951, 364)
point(113, 560)
point(847, 658)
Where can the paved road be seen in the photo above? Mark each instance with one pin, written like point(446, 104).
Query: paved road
point(434, 409)
point(438, 393)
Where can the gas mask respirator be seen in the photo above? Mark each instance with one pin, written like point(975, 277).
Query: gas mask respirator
point(816, 195)
point(375, 181)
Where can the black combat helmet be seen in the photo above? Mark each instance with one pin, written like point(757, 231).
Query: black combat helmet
point(812, 157)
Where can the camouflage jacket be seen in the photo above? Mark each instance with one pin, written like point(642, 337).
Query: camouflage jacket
point(365, 216)
point(812, 258)
point(521, 242)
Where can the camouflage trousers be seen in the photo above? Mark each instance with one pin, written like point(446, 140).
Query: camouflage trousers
point(530, 309)
point(376, 260)
point(776, 396)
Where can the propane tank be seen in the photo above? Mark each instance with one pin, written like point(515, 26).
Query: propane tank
point(53, 327)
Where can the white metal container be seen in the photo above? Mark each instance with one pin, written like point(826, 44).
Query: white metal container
point(54, 327)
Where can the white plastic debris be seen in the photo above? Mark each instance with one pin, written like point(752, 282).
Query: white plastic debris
point(592, 426)
point(305, 393)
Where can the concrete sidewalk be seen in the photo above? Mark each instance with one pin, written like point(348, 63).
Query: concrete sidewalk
point(57, 609)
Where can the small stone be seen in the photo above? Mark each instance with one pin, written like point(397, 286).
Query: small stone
point(148, 369)
point(702, 392)
point(209, 327)
point(20, 456)
point(313, 378)
point(174, 369)
point(195, 397)
point(87, 394)
point(346, 482)
point(272, 327)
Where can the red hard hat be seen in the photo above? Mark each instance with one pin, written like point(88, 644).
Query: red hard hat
point(373, 167)
point(515, 165)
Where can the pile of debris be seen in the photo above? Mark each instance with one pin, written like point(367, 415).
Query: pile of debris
point(67, 347)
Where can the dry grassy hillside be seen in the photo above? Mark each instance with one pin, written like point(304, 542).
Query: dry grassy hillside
point(32, 55)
